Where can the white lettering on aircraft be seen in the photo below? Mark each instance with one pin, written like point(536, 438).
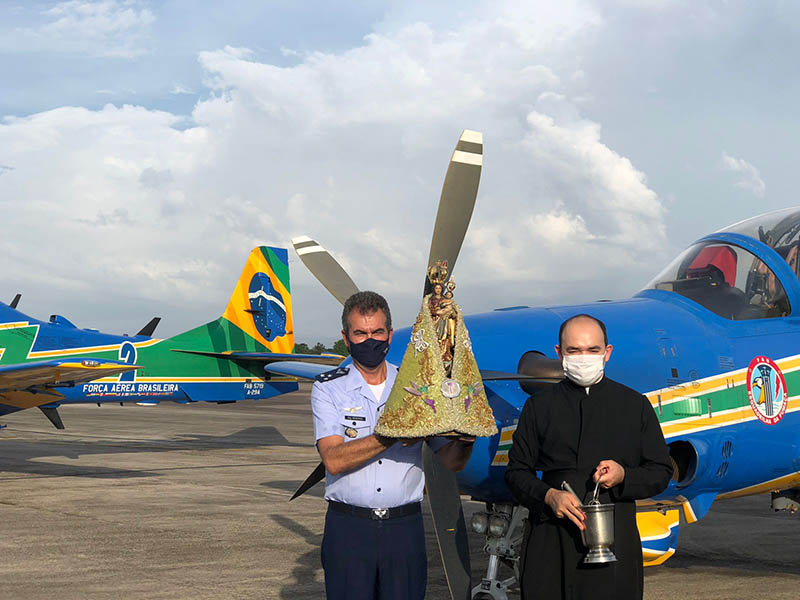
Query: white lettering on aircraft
point(129, 389)
point(253, 388)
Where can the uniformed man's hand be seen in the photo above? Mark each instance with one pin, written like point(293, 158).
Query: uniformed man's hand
point(609, 473)
point(565, 505)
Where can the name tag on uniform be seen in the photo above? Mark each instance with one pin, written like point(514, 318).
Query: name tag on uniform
point(356, 418)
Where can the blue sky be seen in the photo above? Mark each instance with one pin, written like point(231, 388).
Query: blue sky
point(145, 147)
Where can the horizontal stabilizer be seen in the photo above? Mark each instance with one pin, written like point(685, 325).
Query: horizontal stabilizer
point(51, 412)
point(59, 372)
point(316, 476)
point(150, 328)
point(331, 360)
point(488, 375)
point(301, 370)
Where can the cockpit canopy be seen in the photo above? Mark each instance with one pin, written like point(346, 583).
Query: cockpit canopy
point(732, 282)
point(778, 230)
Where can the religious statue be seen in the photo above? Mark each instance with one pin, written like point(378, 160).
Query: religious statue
point(438, 390)
point(443, 312)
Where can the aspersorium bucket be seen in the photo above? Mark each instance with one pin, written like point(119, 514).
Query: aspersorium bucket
point(598, 535)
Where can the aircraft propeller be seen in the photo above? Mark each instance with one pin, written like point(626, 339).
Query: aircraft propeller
point(325, 268)
point(456, 205)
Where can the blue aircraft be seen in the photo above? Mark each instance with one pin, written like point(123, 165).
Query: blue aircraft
point(47, 364)
point(712, 341)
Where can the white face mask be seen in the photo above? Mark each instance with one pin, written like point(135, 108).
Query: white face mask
point(584, 369)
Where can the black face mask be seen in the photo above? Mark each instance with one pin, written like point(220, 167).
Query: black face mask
point(370, 352)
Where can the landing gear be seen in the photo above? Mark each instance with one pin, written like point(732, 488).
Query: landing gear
point(788, 500)
point(502, 525)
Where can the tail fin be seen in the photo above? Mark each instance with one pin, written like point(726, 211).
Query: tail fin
point(261, 304)
point(258, 317)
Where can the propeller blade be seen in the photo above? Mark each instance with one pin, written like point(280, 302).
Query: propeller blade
point(15, 301)
point(448, 523)
point(51, 412)
point(458, 200)
point(317, 475)
point(325, 268)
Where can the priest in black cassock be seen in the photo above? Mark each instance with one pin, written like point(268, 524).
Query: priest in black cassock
point(581, 430)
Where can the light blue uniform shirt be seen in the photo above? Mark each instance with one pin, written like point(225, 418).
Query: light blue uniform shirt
point(394, 477)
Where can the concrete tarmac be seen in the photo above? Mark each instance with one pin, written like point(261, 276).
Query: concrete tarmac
point(182, 502)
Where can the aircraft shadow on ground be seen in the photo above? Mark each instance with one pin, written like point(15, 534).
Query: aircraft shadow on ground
point(20, 455)
point(306, 566)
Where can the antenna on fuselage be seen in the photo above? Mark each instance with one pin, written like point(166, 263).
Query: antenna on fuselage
point(15, 301)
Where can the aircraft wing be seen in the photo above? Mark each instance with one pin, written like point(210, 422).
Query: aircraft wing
point(301, 370)
point(58, 372)
point(328, 360)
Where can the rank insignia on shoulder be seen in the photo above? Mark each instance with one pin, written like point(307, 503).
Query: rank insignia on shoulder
point(332, 374)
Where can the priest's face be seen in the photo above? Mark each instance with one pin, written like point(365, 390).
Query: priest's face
point(583, 336)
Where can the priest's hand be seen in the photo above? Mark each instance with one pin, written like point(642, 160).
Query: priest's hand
point(565, 505)
point(609, 473)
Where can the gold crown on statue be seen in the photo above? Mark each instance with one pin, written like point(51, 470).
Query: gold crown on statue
point(438, 272)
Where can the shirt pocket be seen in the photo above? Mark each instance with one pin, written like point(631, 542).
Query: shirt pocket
point(354, 427)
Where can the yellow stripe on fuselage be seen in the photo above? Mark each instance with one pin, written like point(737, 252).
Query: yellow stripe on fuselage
point(725, 417)
point(779, 483)
point(88, 349)
point(714, 383)
point(14, 325)
point(507, 434)
point(691, 389)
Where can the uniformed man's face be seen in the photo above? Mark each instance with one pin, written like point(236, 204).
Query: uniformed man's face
point(583, 336)
point(364, 326)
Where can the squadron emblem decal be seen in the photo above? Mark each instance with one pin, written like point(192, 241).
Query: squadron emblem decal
point(766, 389)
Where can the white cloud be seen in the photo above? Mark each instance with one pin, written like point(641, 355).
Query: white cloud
point(109, 28)
point(178, 90)
point(349, 148)
point(750, 178)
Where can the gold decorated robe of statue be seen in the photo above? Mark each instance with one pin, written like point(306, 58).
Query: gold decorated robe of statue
point(424, 401)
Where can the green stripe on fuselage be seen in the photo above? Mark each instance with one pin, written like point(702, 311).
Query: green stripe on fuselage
point(721, 400)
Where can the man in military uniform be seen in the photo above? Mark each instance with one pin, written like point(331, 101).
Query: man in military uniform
point(584, 430)
point(374, 543)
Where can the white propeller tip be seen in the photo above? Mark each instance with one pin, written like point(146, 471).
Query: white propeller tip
point(300, 239)
point(305, 245)
point(473, 137)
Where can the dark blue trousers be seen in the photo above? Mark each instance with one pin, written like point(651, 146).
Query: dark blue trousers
point(374, 560)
